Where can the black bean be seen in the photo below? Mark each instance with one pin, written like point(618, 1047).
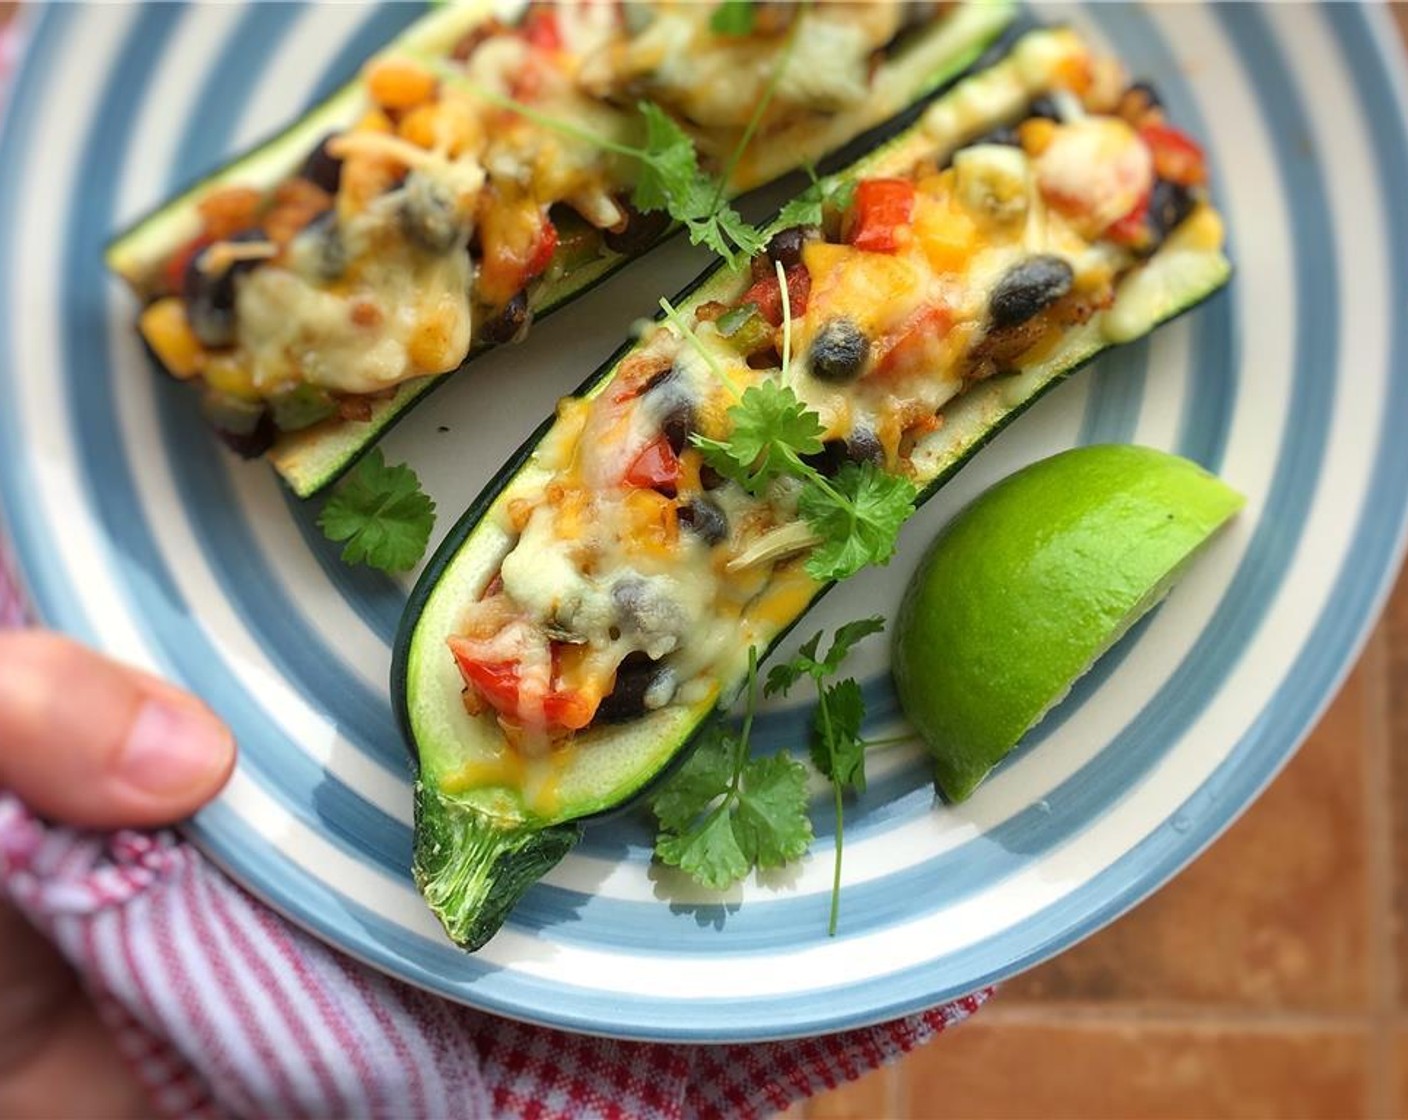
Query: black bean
point(329, 255)
point(323, 169)
point(861, 446)
point(1044, 107)
point(643, 609)
point(839, 351)
point(637, 678)
point(1028, 289)
point(428, 214)
point(786, 245)
point(641, 232)
point(1169, 204)
point(1151, 96)
point(1005, 135)
point(705, 519)
point(249, 442)
point(709, 478)
point(508, 322)
point(210, 296)
point(678, 424)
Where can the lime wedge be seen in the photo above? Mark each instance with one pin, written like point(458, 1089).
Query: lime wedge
point(1028, 585)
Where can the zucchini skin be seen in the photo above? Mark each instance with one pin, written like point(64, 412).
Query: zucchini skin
point(311, 460)
point(995, 403)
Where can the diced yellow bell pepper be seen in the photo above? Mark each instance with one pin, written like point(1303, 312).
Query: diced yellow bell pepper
point(165, 327)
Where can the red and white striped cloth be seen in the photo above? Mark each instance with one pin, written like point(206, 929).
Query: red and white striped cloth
point(224, 1009)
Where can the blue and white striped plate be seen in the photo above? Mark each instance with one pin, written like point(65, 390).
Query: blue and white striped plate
point(137, 534)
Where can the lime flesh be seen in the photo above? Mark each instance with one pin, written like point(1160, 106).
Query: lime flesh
point(1029, 584)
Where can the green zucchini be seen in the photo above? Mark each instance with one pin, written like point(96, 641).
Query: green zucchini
point(480, 844)
point(312, 458)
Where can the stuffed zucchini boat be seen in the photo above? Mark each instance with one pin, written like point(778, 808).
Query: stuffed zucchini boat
point(473, 178)
point(598, 603)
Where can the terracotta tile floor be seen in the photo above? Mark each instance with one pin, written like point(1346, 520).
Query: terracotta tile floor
point(1270, 979)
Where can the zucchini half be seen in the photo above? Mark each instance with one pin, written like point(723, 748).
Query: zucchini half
point(479, 845)
point(313, 458)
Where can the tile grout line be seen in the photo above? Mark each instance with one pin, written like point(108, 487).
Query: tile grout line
point(1378, 823)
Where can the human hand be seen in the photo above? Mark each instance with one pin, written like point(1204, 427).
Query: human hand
point(90, 743)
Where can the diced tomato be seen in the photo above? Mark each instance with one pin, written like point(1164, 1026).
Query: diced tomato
point(542, 253)
point(881, 208)
point(498, 684)
point(656, 468)
point(1177, 158)
point(767, 294)
point(911, 346)
point(496, 681)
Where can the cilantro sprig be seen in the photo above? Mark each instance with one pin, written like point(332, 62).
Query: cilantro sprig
point(382, 515)
point(857, 515)
point(726, 813)
point(733, 17)
point(837, 749)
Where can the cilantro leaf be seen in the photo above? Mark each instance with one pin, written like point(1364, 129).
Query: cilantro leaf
point(733, 17)
point(782, 677)
point(837, 749)
point(772, 824)
point(710, 853)
point(858, 516)
point(724, 814)
point(848, 636)
point(670, 165)
point(705, 776)
point(727, 233)
point(808, 208)
point(382, 514)
point(771, 429)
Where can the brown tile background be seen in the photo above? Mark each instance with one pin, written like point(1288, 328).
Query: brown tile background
point(1270, 979)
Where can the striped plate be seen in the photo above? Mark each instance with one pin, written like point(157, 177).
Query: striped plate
point(135, 533)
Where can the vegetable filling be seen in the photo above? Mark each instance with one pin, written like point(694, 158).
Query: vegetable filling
point(532, 150)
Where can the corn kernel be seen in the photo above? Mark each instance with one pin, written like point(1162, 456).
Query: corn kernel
point(228, 373)
point(1036, 135)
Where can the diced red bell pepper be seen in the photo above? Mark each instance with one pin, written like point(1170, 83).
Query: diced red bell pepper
point(174, 274)
point(881, 208)
point(767, 294)
point(541, 29)
point(543, 251)
point(656, 468)
point(1177, 158)
point(906, 347)
point(1131, 229)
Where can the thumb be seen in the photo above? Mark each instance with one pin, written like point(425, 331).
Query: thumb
point(92, 743)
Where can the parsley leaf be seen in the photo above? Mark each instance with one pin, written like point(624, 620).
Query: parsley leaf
point(733, 17)
point(858, 516)
point(724, 814)
point(771, 430)
point(382, 514)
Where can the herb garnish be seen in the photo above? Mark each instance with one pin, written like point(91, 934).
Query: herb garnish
point(382, 514)
point(837, 749)
point(725, 813)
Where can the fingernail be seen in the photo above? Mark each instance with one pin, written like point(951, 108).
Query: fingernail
point(172, 748)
